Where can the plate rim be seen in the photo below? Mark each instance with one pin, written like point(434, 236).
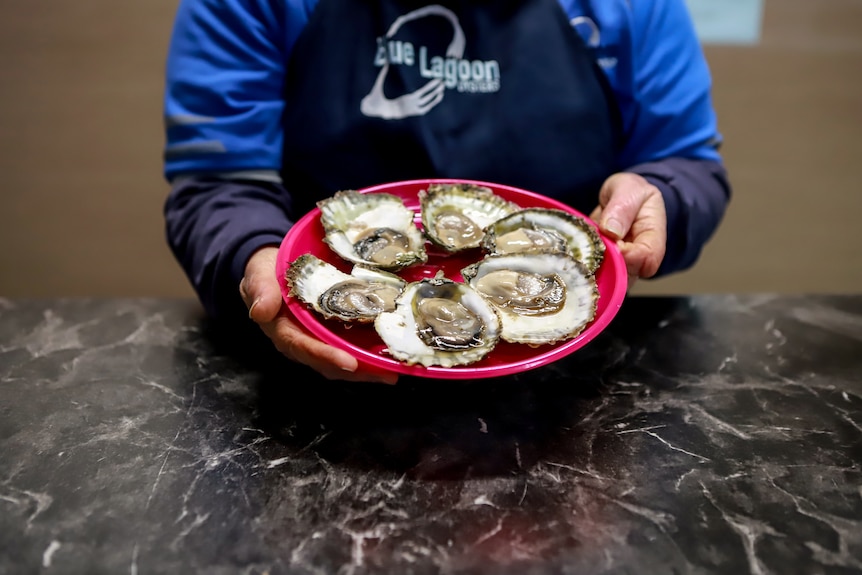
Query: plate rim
point(315, 324)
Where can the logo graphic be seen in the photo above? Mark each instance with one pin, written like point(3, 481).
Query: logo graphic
point(451, 72)
point(592, 36)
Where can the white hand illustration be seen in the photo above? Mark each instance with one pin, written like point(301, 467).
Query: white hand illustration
point(417, 103)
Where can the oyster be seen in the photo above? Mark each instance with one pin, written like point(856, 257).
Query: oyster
point(454, 216)
point(543, 230)
point(541, 297)
point(356, 297)
point(372, 229)
point(439, 322)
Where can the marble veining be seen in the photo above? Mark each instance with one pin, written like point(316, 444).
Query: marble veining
point(710, 434)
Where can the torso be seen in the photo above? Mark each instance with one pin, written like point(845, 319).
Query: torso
point(502, 90)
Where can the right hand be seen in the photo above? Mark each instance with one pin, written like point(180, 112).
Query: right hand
point(262, 295)
point(631, 211)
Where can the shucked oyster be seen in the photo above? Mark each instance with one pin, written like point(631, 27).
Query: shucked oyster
point(439, 322)
point(454, 216)
point(541, 297)
point(543, 230)
point(372, 229)
point(359, 296)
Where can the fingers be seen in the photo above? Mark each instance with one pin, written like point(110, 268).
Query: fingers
point(333, 363)
point(259, 287)
point(430, 95)
point(632, 211)
point(299, 346)
point(261, 293)
point(636, 257)
point(649, 237)
point(620, 201)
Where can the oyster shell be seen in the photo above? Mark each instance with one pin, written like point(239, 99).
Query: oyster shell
point(454, 216)
point(372, 229)
point(543, 230)
point(542, 298)
point(356, 297)
point(439, 322)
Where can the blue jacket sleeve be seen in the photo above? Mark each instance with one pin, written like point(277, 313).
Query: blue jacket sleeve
point(696, 194)
point(210, 241)
point(222, 105)
point(672, 134)
point(225, 74)
point(666, 87)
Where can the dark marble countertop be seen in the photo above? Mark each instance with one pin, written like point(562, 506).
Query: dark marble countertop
point(711, 434)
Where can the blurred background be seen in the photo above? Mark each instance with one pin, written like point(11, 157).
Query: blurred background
point(81, 139)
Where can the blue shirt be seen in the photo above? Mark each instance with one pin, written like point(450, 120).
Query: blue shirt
point(224, 83)
point(225, 75)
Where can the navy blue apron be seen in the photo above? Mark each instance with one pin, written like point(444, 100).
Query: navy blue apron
point(498, 90)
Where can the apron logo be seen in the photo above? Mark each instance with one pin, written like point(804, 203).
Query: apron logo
point(592, 36)
point(449, 72)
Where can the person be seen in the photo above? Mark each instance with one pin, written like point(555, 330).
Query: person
point(272, 105)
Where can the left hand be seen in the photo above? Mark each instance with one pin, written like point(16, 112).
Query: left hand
point(632, 212)
point(261, 293)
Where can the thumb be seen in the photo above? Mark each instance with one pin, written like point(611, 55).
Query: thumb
point(621, 198)
point(259, 287)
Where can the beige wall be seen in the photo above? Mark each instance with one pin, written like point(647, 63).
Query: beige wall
point(80, 144)
point(791, 113)
point(80, 139)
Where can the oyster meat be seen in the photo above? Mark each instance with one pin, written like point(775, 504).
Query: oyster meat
point(542, 298)
point(454, 216)
point(372, 229)
point(439, 322)
point(356, 297)
point(543, 230)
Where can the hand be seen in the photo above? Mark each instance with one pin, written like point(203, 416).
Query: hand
point(632, 212)
point(261, 293)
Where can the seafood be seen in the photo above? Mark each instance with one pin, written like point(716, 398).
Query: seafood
point(535, 283)
point(454, 216)
point(542, 298)
point(437, 321)
point(356, 297)
point(375, 230)
point(546, 229)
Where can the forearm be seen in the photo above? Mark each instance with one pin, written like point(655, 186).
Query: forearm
point(214, 225)
point(696, 194)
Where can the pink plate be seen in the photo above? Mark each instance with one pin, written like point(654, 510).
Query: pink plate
point(506, 358)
